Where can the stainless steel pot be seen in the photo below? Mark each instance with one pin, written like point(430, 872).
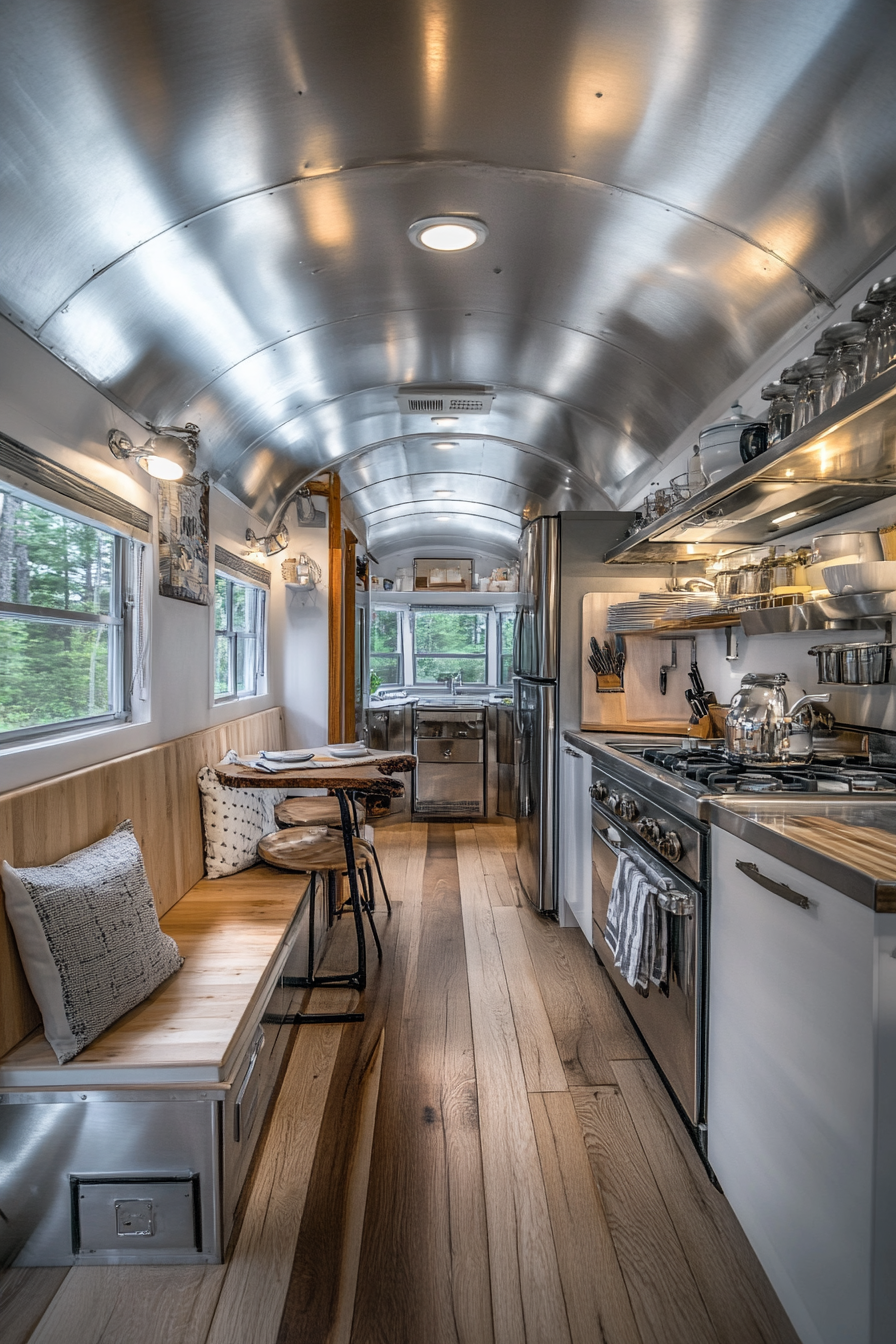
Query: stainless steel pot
point(759, 722)
point(827, 659)
point(865, 664)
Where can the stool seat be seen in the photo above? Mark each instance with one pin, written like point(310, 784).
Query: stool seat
point(313, 812)
point(300, 852)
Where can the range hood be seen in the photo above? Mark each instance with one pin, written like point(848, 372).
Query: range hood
point(845, 458)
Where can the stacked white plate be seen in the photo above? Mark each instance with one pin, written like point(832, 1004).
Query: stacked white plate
point(641, 614)
point(694, 606)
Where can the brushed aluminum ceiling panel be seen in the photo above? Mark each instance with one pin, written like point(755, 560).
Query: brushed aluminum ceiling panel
point(204, 209)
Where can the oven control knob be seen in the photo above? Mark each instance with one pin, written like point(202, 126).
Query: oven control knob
point(613, 801)
point(599, 791)
point(649, 830)
point(670, 846)
point(628, 809)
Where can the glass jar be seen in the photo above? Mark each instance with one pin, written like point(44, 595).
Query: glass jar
point(780, 412)
point(845, 369)
point(808, 393)
point(881, 353)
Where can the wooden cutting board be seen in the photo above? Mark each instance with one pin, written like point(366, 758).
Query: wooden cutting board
point(865, 847)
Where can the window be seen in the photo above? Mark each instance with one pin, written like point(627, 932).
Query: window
point(449, 640)
point(63, 602)
point(239, 638)
point(385, 648)
point(506, 627)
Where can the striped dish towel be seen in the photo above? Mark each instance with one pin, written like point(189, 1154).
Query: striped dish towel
point(637, 930)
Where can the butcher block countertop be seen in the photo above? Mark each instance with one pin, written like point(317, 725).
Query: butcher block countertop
point(850, 845)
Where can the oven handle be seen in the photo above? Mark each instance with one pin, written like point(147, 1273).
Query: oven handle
point(681, 904)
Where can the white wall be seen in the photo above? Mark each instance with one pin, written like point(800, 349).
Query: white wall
point(49, 408)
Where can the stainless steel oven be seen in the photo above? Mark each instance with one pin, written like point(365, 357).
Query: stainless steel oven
point(672, 1020)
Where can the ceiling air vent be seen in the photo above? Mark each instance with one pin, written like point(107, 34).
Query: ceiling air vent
point(445, 400)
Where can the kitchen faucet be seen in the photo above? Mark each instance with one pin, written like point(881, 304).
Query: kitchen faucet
point(454, 679)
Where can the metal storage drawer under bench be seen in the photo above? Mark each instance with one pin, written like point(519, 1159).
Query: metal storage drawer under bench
point(131, 1165)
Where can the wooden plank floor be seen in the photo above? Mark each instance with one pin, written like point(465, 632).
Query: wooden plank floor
point(489, 1158)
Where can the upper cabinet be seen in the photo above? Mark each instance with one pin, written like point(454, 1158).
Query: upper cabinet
point(844, 458)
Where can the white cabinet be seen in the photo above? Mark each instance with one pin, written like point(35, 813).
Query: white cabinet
point(801, 1094)
point(574, 875)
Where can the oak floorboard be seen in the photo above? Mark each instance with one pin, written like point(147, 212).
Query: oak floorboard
point(254, 1291)
point(491, 856)
point(312, 1296)
point(665, 1299)
point(25, 1294)
point(589, 1024)
point(538, 1050)
point(356, 1199)
point(597, 1302)
point(527, 1297)
point(120, 1304)
point(424, 1262)
point(741, 1302)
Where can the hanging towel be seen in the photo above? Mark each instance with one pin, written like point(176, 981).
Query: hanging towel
point(637, 930)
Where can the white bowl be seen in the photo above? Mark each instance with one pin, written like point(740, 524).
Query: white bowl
point(876, 576)
point(845, 548)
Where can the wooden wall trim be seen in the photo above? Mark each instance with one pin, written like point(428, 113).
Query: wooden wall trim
point(157, 789)
point(335, 727)
point(349, 727)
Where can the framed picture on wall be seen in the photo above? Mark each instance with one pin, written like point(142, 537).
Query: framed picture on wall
point(183, 540)
point(443, 576)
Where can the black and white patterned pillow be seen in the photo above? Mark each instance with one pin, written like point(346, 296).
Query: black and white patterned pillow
point(234, 820)
point(89, 938)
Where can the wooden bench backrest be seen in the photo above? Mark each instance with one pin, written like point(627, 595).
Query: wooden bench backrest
point(157, 789)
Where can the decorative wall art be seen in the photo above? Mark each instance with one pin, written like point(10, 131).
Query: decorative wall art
point(183, 539)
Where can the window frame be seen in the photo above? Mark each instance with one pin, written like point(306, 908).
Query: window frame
point(118, 621)
point(503, 614)
point(258, 636)
point(400, 641)
point(447, 609)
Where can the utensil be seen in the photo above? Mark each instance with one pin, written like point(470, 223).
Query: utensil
point(827, 661)
point(872, 577)
point(720, 443)
point(865, 664)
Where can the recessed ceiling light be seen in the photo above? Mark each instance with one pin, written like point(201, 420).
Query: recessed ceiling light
point(448, 233)
point(443, 492)
point(444, 445)
point(444, 420)
point(785, 517)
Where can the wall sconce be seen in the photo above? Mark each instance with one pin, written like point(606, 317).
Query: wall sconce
point(169, 455)
point(269, 545)
point(302, 573)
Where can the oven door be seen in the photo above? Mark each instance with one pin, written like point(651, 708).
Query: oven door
point(673, 1023)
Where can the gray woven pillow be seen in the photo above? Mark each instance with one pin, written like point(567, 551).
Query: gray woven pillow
point(89, 938)
point(233, 822)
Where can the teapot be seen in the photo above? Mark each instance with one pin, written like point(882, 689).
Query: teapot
point(758, 726)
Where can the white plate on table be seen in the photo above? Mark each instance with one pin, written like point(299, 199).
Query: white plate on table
point(286, 757)
point(348, 753)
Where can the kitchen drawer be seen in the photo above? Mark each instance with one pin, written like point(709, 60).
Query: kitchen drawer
point(451, 750)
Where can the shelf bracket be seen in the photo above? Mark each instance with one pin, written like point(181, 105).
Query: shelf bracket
point(731, 649)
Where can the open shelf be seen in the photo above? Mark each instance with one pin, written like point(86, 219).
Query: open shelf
point(843, 459)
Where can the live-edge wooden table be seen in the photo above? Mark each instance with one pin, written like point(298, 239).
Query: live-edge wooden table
point(372, 777)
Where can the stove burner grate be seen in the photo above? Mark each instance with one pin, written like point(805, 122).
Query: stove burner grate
point(724, 774)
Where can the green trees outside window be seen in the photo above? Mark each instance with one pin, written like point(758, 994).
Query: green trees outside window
point(61, 619)
point(506, 627)
point(450, 641)
point(385, 646)
point(239, 638)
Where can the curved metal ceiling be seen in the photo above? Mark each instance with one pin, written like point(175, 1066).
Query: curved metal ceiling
point(205, 209)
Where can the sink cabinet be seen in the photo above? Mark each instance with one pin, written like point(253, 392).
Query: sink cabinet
point(802, 1091)
point(449, 780)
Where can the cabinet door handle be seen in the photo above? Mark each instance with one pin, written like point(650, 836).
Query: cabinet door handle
point(779, 888)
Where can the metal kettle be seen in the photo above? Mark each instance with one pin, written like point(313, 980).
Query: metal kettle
point(758, 726)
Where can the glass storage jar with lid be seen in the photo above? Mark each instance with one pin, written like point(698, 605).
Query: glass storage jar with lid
point(882, 331)
point(845, 369)
point(780, 412)
point(808, 393)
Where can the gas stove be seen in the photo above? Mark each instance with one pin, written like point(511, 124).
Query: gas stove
point(720, 773)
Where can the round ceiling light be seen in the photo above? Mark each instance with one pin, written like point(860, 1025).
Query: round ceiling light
point(448, 233)
point(443, 421)
point(443, 492)
point(444, 445)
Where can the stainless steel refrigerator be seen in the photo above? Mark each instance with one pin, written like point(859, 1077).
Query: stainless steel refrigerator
point(560, 559)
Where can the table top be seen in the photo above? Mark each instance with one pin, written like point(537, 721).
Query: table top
point(368, 778)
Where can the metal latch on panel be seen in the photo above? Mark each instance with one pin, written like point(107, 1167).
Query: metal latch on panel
point(133, 1218)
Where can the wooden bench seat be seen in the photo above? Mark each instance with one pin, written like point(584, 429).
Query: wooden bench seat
point(235, 934)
